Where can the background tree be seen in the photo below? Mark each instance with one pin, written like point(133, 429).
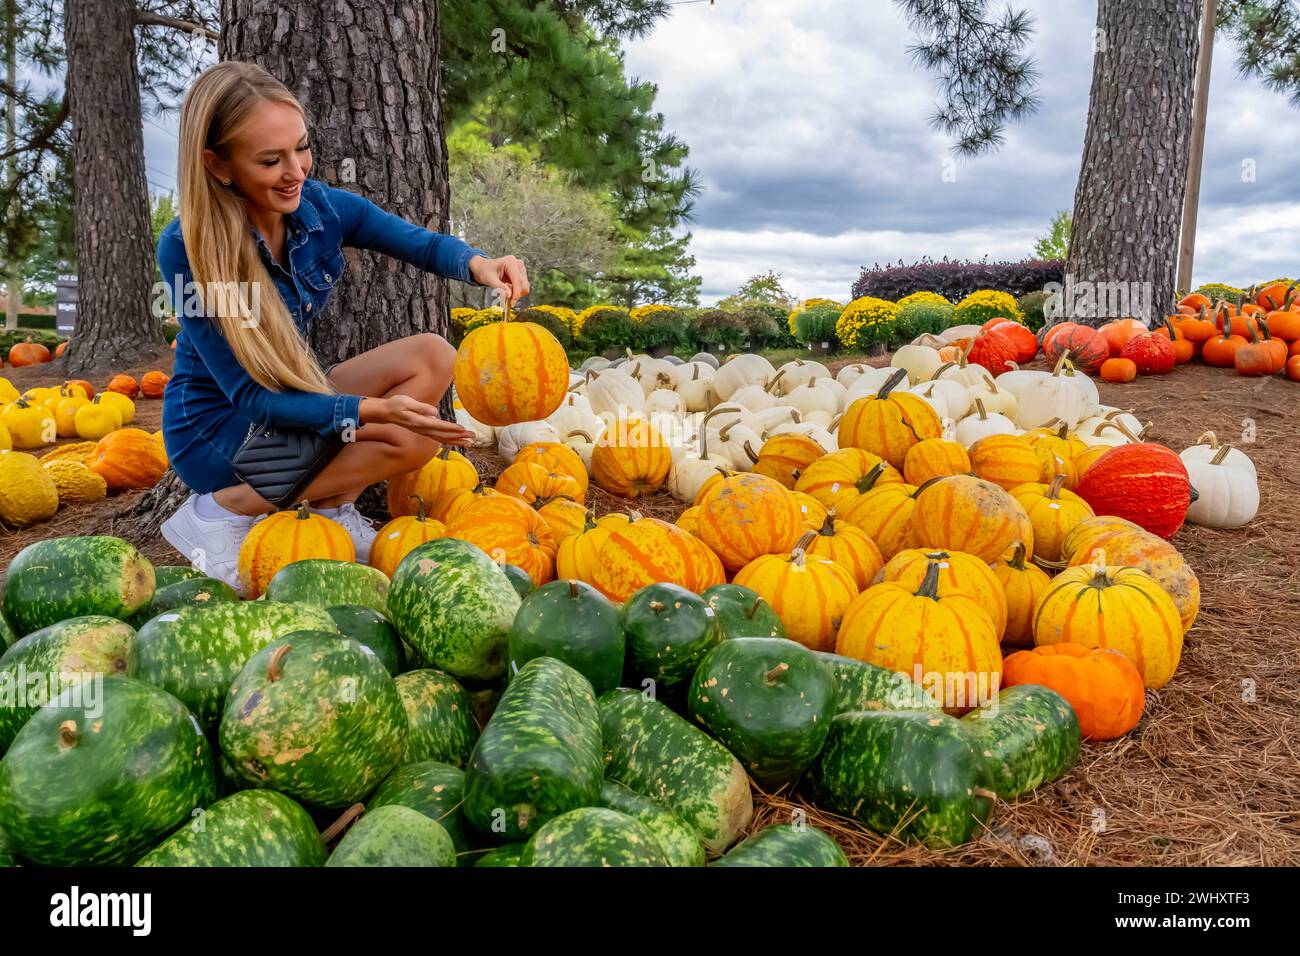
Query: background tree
point(1056, 244)
point(1267, 34)
point(763, 288)
point(652, 267)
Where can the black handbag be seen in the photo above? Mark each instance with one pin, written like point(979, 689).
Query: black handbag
point(279, 463)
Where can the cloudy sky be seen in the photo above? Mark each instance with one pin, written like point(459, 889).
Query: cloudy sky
point(809, 127)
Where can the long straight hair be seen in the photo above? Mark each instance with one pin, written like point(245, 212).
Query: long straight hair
point(222, 250)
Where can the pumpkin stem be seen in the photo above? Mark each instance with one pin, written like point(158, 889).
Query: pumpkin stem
point(335, 829)
point(1060, 362)
point(770, 677)
point(582, 434)
point(1208, 438)
point(68, 736)
point(800, 552)
point(722, 432)
point(941, 369)
point(1054, 490)
point(758, 602)
point(573, 586)
point(1018, 557)
point(1221, 454)
point(273, 671)
point(930, 583)
point(775, 378)
point(419, 507)
point(892, 383)
point(986, 794)
point(750, 452)
point(304, 512)
point(979, 403)
point(868, 481)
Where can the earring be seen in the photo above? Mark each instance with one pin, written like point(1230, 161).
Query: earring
point(225, 182)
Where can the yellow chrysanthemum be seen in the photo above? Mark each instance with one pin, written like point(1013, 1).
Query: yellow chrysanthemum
point(804, 306)
point(460, 316)
point(865, 321)
point(565, 315)
point(588, 312)
point(641, 311)
point(984, 304)
point(482, 317)
point(923, 297)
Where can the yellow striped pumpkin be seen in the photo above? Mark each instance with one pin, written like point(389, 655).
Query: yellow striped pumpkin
point(746, 516)
point(1006, 460)
point(631, 459)
point(786, 457)
point(648, 551)
point(558, 457)
point(447, 505)
point(285, 537)
point(564, 517)
point(531, 482)
point(890, 422)
point(510, 532)
point(959, 573)
point(936, 640)
point(400, 536)
point(719, 474)
point(1053, 512)
point(1078, 540)
point(964, 513)
point(812, 513)
point(885, 514)
point(808, 593)
point(1050, 465)
point(576, 557)
point(444, 472)
point(510, 372)
point(1024, 584)
point(934, 458)
point(689, 520)
point(1157, 557)
point(850, 547)
point(1123, 609)
point(840, 478)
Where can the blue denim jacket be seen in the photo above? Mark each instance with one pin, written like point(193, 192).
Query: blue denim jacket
point(211, 401)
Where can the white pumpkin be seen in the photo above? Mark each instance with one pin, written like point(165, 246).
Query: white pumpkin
point(665, 400)
point(868, 383)
point(697, 391)
point(1107, 413)
point(1019, 378)
point(652, 373)
point(1055, 397)
point(1226, 486)
point(755, 398)
point(981, 424)
point(821, 419)
point(954, 333)
point(690, 473)
point(799, 372)
point(1085, 384)
point(921, 362)
point(966, 375)
point(575, 414)
point(995, 399)
point(583, 443)
point(613, 393)
point(511, 438)
point(727, 412)
point(951, 396)
point(817, 395)
point(1107, 433)
point(736, 442)
point(692, 371)
point(851, 373)
point(741, 370)
point(817, 433)
point(673, 433)
point(483, 434)
point(776, 415)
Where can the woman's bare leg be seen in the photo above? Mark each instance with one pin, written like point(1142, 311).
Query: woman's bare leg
point(419, 366)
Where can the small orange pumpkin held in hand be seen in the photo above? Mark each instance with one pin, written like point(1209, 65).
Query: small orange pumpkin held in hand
point(153, 384)
point(1102, 685)
point(1118, 370)
point(124, 385)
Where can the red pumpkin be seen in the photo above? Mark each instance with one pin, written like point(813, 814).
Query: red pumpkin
point(1088, 348)
point(1024, 341)
point(993, 350)
point(1152, 354)
point(1118, 333)
point(1142, 482)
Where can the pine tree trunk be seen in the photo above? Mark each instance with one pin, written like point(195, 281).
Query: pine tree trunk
point(14, 300)
point(1129, 200)
point(116, 324)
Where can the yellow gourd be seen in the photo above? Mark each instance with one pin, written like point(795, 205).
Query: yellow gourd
point(30, 424)
point(79, 451)
point(5, 441)
point(65, 415)
point(7, 392)
point(75, 483)
point(96, 419)
point(27, 491)
point(124, 405)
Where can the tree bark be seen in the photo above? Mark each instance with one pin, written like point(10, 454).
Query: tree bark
point(116, 325)
point(1129, 199)
point(14, 299)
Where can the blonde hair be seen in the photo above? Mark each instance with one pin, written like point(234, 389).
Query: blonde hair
point(220, 247)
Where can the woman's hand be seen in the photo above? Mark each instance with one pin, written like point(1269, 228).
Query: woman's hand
point(506, 275)
point(420, 417)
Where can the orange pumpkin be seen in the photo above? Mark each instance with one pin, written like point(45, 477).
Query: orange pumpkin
point(934, 458)
point(1221, 351)
point(1254, 358)
point(965, 513)
point(564, 516)
point(1278, 295)
point(28, 353)
point(1023, 584)
point(1293, 368)
point(786, 457)
point(127, 459)
point(1195, 301)
point(445, 472)
point(809, 594)
point(448, 505)
point(510, 372)
point(1197, 328)
point(747, 516)
point(285, 537)
point(647, 551)
point(510, 532)
point(850, 548)
point(1183, 349)
point(1006, 460)
point(1118, 370)
point(1277, 348)
point(1101, 685)
point(402, 535)
point(890, 422)
point(558, 457)
point(959, 573)
point(153, 384)
point(124, 385)
point(1118, 333)
point(839, 479)
point(885, 514)
point(631, 459)
point(533, 483)
point(59, 349)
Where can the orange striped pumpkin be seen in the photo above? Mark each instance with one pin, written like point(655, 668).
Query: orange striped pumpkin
point(890, 422)
point(1023, 584)
point(689, 520)
point(808, 593)
point(1078, 540)
point(1053, 512)
point(712, 482)
point(885, 514)
point(812, 513)
point(959, 573)
point(934, 458)
point(946, 640)
point(444, 472)
point(1124, 609)
point(709, 569)
point(533, 483)
point(850, 548)
point(964, 513)
point(556, 456)
point(448, 505)
point(510, 532)
point(631, 459)
point(1051, 465)
point(400, 536)
point(510, 372)
point(285, 537)
point(564, 516)
point(1157, 557)
point(786, 457)
point(1006, 460)
point(840, 478)
point(576, 558)
point(746, 516)
point(647, 551)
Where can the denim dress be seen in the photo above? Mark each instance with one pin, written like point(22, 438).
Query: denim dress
point(211, 402)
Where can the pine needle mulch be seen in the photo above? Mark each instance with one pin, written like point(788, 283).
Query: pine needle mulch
point(1211, 776)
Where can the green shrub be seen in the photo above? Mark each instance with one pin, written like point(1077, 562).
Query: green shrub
point(552, 323)
point(605, 329)
point(659, 328)
point(1034, 306)
point(816, 325)
point(9, 339)
point(719, 331)
point(765, 325)
point(1218, 290)
point(919, 317)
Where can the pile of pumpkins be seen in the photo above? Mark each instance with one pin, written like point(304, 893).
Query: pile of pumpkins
point(109, 457)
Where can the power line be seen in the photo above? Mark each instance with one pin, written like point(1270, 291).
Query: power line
point(163, 128)
point(161, 172)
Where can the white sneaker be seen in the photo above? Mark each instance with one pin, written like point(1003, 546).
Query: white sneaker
point(212, 546)
point(360, 529)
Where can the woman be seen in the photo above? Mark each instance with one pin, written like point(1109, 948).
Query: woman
point(250, 263)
